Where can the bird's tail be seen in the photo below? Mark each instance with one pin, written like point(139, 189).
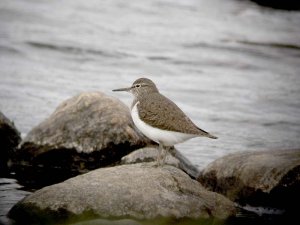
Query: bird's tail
point(206, 134)
point(211, 136)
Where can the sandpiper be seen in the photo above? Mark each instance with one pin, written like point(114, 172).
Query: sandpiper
point(160, 119)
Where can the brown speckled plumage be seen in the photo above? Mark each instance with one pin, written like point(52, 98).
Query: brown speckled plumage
point(160, 112)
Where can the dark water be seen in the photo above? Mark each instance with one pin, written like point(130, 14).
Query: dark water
point(232, 66)
point(10, 193)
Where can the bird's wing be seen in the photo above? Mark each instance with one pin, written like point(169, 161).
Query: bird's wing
point(162, 113)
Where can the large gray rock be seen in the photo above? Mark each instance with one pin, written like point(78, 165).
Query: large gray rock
point(174, 158)
point(9, 140)
point(137, 191)
point(266, 178)
point(85, 132)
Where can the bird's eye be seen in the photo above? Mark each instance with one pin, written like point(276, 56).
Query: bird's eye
point(137, 85)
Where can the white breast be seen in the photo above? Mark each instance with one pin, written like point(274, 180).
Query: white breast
point(167, 138)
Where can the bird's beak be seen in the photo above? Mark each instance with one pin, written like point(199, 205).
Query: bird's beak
point(122, 89)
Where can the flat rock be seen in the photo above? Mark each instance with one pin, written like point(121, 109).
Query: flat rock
point(9, 140)
point(265, 178)
point(174, 158)
point(88, 131)
point(136, 191)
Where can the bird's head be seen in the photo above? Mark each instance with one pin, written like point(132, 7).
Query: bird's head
point(141, 86)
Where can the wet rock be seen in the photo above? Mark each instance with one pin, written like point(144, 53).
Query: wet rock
point(9, 140)
point(266, 178)
point(174, 158)
point(88, 131)
point(136, 191)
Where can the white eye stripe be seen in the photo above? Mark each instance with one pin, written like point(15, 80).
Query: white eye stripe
point(139, 85)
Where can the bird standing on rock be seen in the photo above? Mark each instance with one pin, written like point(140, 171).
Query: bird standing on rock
point(160, 119)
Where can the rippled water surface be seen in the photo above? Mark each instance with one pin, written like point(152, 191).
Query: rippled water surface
point(232, 66)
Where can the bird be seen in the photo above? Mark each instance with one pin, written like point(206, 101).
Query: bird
point(159, 118)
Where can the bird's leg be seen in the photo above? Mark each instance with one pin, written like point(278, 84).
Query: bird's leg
point(158, 159)
point(162, 152)
point(159, 155)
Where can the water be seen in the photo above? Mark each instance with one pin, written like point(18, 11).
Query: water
point(232, 66)
point(10, 193)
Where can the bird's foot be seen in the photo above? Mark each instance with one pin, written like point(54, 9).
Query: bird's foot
point(159, 163)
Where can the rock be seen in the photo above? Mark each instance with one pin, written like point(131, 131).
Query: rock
point(136, 191)
point(174, 158)
point(107, 222)
point(9, 140)
point(88, 131)
point(266, 178)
